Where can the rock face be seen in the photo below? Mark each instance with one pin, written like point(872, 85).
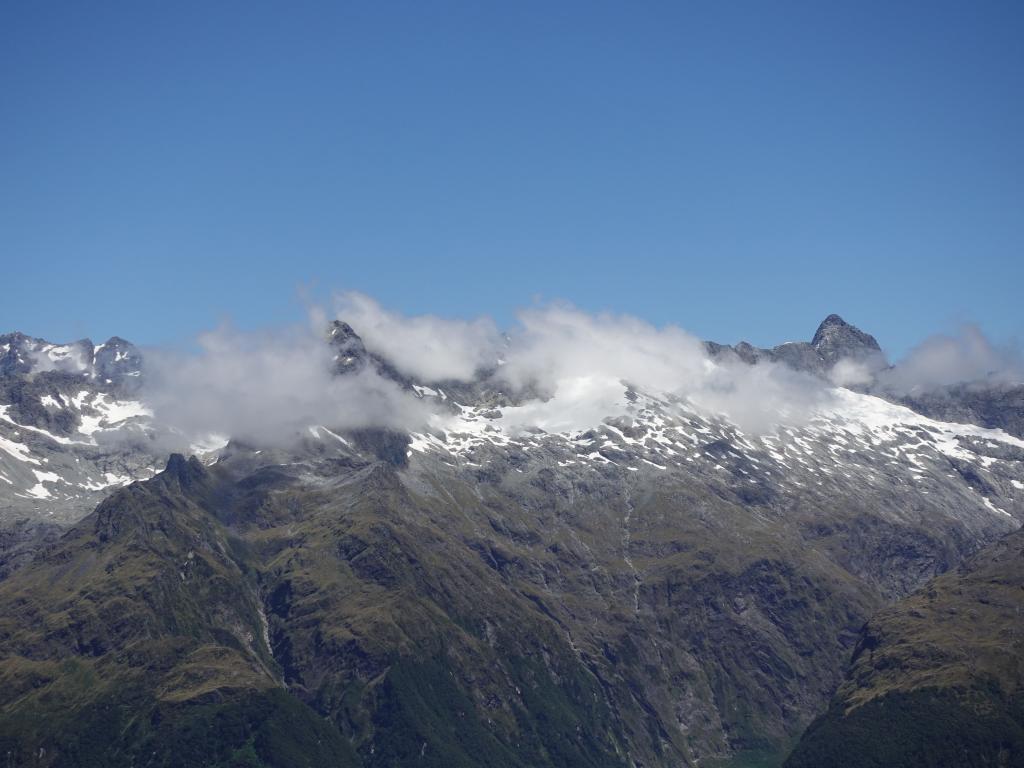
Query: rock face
point(937, 678)
point(837, 340)
point(350, 352)
point(659, 588)
point(352, 356)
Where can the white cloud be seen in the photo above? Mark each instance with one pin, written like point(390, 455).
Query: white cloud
point(852, 373)
point(581, 361)
point(570, 369)
point(557, 343)
point(757, 398)
point(267, 387)
point(425, 347)
point(940, 361)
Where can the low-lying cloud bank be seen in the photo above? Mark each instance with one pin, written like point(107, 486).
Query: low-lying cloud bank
point(576, 364)
point(943, 360)
point(424, 347)
point(266, 388)
point(569, 365)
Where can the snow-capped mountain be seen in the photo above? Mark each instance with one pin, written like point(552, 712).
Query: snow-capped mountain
point(848, 445)
point(856, 439)
point(667, 574)
point(72, 426)
point(835, 341)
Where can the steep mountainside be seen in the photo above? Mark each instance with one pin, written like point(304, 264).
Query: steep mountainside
point(619, 578)
point(938, 678)
point(241, 616)
point(139, 638)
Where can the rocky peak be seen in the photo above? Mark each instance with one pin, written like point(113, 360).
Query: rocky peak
point(116, 358)
point(187, 472)
point(350, 352)
point(832, 321)
point(109, 363)
point(16, 353)
point(836, 339)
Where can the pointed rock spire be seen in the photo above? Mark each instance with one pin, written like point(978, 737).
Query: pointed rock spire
point(836, 339)
point(350, 352)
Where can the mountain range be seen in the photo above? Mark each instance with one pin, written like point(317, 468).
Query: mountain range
point(609, 575)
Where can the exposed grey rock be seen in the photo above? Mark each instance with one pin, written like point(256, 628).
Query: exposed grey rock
point(800, 356)
point(836, 340)
point(117, 360)
point(350, 352)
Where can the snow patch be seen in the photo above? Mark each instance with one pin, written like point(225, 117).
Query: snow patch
point(17, 450)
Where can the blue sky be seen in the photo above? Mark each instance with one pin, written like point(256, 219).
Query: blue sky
point(740, 169)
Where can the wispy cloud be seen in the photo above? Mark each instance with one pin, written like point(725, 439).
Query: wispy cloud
point(570, 367)
point(267, 387)
point(578, 363)
point(426, 347)
point(944, 360)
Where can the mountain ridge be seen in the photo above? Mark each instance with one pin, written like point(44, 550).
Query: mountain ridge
point(656, 586)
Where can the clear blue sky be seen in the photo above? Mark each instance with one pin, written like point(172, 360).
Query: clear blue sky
point(739, 168)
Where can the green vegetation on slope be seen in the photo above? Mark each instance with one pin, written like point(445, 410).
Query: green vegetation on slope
point(938, 679)
point(924, 728)
point(159, 632)
point(126, 727)
point(359, 614)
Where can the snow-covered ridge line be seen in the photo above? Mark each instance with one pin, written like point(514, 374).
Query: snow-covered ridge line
point(854, 437)
point(103, 413)
point(106, 363)
point(60, 440)
point(848, 410)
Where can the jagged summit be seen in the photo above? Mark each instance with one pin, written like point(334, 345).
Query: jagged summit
point(113, 360)
point(836, 339)
point(642, 573)
point(352, 356)
point(350, 351)
point(829, 322)
point(180, 467)
point(341, 332)
point(185, 472)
